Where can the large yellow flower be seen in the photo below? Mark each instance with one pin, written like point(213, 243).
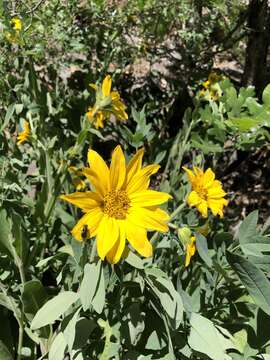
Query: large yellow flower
point(107, 102)
point(121, 206)
point(25, 134)
point(206, 192)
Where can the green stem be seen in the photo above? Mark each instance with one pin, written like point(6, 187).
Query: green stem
point(177, 210)
point(172, 226)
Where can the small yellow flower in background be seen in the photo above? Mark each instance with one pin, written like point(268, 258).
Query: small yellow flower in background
point(25, 134)
point(14, 35)
point(189, 243)
point(121, 206)
point(16, 24)
point(206, 192)
point(76, 178)
point(107, 102)
point(212, 89)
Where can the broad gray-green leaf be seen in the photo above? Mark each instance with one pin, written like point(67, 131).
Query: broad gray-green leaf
point(6, 239)
point(98, 301)
point(134, 260)
point(205, 338)
point(253, 279)
point(201, 245)
point(89, 284)
point(266, 95)
point(165, 292)
point(247, 230)
point(92, 290)
point(70, 330)
point(57, 350)
point(54, 308)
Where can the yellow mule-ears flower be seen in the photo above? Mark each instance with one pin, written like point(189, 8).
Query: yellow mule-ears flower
point(189, 243)
point(25, 134)
point(120, 206)
point(107, 102)
point(206, 192)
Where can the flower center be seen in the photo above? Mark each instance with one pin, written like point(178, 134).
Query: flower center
point(116, 204)
point(202, 192)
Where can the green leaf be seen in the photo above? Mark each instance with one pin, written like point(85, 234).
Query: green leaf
point(107, 333)
point(205, 338)
point(91, 286)
point(253, 279)
point(57, 350)
point(201, 245)
point(134, 260)
point(155, 342)
point(244, 123)
point(247, 229)
point(33, 298)
point(266, 95)
point(4, 353)
point(70, 330)
point(53, 309)
point(166, 294)
point(6, 239)
point(98, 301)
point(20, 242)
point(84, 327)
point(8, 116)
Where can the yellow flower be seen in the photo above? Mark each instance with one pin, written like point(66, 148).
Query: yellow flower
point(211, 84)
point(188, 242)
point(25, 134)
point(206, 84)
point(16, 24)
point(121, 206)
point(76, 180)
point(107, 102)
point(206, 192)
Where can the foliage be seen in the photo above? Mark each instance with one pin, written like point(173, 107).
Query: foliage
point(57, 297)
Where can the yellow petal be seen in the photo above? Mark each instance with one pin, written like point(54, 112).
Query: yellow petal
point(135, 164)
point(190, 251)
point(140, 181)
point(92, 219)
point(216, 193)
point(202, 208)
point(107, 235)
point(96, 181)
point(93, 86)
point(114, 255)
point(97, 164)
point(208, 178)
point(190, 174)
point(117, 168)
point(148, 198)
point(99, 174)
point(151, 219)
point(193, 199)
point(115, 96)
point(106, 86)
point(84, 200)
point(216, 206)
point(137, 238)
